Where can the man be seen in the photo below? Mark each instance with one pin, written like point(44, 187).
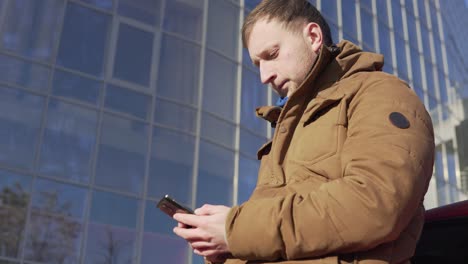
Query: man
point(344, 177)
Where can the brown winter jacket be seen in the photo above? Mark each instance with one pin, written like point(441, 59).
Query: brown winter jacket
point(344, 177)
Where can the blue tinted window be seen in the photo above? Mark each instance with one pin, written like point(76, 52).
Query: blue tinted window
point(349, 18)
point(29, 75)
point(113, 209)
point(250, 4)
point(329, 10)
point(397, 19)
point(248, 169)
point(133, 56)
point(413, 37)
point(15, 195)
point(442, 87)
point(223, 27)
point(250, 142)
point(215, 175)
point(31, 27)
point(426, 43)
point(416, 67)
point(77, 87)
point(146, 11)
point(367, 23)
point(122, 151)
point(430, 84)
point(171, 165)
point(127, 101)
point(69, 142)
point(178, 70)
point(64, 199)
point(104, 4)
point(218, 130)
point(385, 44)
point(159, 242)
point(400, 48)
point(434, 21)
point(254, 94)
point(184, 17)
point(422, 12)
point(219, 88)
point(175, 115)
point(84, 39)
point(19, 126)
point(382, 11)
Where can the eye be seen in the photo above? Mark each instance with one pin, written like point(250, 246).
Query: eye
point(273, 54)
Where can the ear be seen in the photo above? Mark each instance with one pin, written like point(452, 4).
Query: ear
point(313, 35)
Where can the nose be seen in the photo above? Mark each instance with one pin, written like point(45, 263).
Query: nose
point(267, 75)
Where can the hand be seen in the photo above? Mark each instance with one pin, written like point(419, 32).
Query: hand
point(207, 235)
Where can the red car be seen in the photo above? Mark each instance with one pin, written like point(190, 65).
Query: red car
point(445, 236)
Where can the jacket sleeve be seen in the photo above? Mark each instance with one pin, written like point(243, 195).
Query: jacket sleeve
point(386, 172)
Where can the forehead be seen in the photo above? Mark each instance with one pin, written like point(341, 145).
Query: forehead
point(265, 32)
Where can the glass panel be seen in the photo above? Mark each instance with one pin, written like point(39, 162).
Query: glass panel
point(111, 234)
point(184, 17)
point(416, 67)
point(122, 151)
point(442, 87)
point(84, 39)
point(248, 170)
point(104, 4)
point(159, 242)
point(422, 12)
point(22, 73)
point(250, 143)
point(175, 115)
point(451, 166)
point(334, 32)
point(367, 4)
point(14, 199)
point(215, 175)
point(434, 21)
point(382, 14)
point(254, 94)
point(146, 11)
point(223, 27)
point(349, 17)
point(430, 84)
point(178, 70)
point(32, 27)
point(413, 36)
point(219, 91)
point(250, 4)
point(439, 174)
point(397, 19)
point(426, 43)
point(171, 165)
point(367, 22)
point(69, 141)
point(329, 9)
point(20, 118)
point(73, 86)
point(127, 101)
point(55, 229)
point(402, 66)
point(133, 55)
point(218, 130)
point(385, 46)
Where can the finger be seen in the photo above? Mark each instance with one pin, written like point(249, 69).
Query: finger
point(202, 245)
point(182, 225)
point(190, 234)
point(206, 209)
point(187, 219)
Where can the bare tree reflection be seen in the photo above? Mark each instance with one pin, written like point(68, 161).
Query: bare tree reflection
point(53, 235)
point(112, 249)
point(13, 205)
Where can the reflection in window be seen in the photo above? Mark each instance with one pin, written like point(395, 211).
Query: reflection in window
point(248, 170)
point(69, 139)
point(14, 200)
point(215, 175)
point(254, 94)
point(54, 232)
point(330, 11)
point(20, 117)
point(146, 11)
point(29, 75)
point(219, 91)
point(367, 22)
point(77, 87)
point(111, 233)
point(397, 19)
point(385, 44)
point(223, 27)
point(159, 242)
point(134, 54)
point(402, 66)
point(84, 39)
point(127, 101)
point(184, 17)
point(412, 34)
point(31, 27)
point(171, 165)
point(178, 70)
point(382, 14)
point(218, 130)
point(104, 4)
point(250, 142)
point(175, 116)
point(122, 151)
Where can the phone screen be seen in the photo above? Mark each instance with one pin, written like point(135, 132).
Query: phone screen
point(170, 206)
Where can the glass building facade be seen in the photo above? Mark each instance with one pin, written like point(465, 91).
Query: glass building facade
point(107, 105)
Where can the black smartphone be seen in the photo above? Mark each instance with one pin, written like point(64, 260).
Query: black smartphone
point(170, 206)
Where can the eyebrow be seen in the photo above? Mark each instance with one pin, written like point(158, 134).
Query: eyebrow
point(264, 53)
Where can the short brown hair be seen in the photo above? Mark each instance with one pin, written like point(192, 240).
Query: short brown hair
point(285, 11)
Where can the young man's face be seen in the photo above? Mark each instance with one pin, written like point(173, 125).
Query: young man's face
point(284, 57)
